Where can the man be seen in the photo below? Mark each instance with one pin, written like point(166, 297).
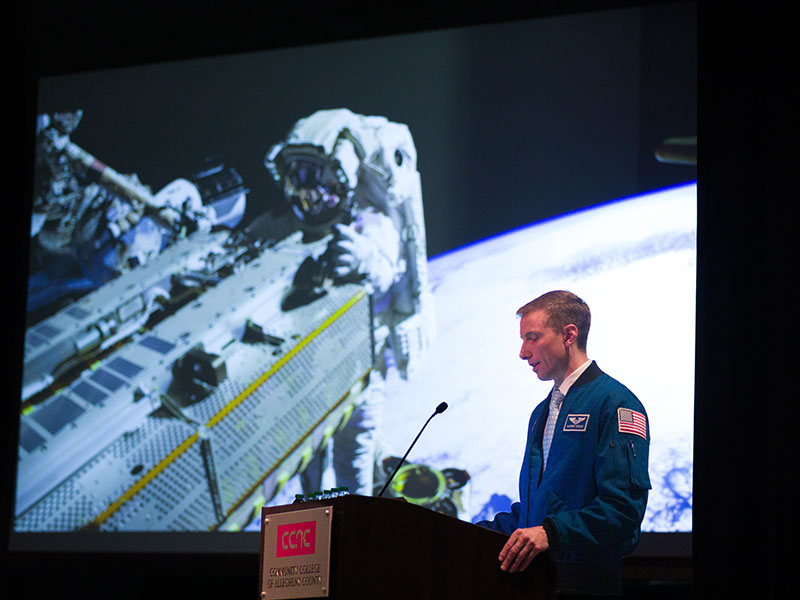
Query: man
point(583, 484)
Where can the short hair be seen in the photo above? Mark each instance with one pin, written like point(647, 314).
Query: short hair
point(562, 308)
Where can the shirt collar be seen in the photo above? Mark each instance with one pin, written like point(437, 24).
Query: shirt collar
point(573, 377)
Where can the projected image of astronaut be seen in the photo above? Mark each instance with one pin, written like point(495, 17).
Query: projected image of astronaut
point(354, 177)
point(91, 223)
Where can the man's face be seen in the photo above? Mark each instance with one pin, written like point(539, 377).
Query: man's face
point(543, 348)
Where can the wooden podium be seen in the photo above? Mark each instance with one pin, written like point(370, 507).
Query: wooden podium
point(358, 547)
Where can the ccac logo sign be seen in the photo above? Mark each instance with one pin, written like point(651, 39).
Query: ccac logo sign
point(296, 539)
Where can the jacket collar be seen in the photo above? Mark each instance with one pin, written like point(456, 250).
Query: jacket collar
point(591, 373)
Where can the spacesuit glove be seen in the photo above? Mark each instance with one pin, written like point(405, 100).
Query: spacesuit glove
point(368, 251)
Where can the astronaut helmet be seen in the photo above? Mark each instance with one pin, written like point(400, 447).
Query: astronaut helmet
point(314, 185)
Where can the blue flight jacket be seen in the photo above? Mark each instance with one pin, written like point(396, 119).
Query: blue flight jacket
point(592, 496)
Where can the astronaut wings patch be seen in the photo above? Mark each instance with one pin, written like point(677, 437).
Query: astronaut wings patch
point(631, 421)
point(576, 422)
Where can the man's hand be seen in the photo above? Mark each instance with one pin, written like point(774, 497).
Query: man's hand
point(522, 547)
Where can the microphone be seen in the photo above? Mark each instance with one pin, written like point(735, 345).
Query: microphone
point(439, 409)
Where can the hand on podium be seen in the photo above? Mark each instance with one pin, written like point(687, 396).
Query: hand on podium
point(522, 547)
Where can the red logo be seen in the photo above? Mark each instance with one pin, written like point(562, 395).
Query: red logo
point(296, 539)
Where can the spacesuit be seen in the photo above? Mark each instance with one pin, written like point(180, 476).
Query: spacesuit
point(354, 177)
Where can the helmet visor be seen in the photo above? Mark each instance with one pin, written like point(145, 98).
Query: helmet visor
point(315, 189)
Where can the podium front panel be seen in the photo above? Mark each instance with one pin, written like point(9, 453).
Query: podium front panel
point(296, 550)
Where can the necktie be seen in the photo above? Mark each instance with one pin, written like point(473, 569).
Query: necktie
point(555, 405)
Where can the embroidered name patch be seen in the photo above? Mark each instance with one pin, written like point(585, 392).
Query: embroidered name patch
point(631, 421)
point(576, 422)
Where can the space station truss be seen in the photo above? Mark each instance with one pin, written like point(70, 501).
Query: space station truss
point(194, 423)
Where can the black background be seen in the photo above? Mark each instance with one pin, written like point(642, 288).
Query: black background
point(746, 302)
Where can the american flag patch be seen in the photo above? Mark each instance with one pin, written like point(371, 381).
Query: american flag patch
point(631, 421)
